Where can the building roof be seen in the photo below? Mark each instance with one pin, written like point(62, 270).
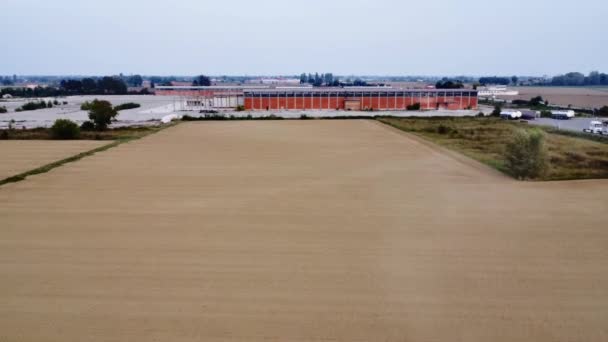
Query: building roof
point(208, 87)
point(381, 90)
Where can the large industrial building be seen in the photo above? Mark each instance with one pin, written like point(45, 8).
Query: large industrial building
point(200, 98)
point(358, 98)
point(306, 98)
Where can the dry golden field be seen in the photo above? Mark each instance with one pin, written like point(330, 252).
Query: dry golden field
point(580, 97)
point(298, 231)
point(20, 156)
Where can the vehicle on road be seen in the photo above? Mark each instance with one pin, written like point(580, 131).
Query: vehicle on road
point(510, 114)
point(530, 114)
point(562, 114)
point(597, 127)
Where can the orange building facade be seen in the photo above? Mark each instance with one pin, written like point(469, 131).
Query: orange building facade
point(362, 99)
point(265, 98)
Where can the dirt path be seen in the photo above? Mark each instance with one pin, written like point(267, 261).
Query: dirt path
point(298, 231)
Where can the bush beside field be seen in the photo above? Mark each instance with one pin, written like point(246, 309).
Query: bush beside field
point(65, 129)
point(491, 141)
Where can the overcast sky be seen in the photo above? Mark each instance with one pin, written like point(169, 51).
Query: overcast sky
point(252, 37)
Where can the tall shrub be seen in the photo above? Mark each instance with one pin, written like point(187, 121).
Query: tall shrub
point(526, 154)
point(65, 129)
point(101, 113)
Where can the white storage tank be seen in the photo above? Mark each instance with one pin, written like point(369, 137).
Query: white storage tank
point(562, 114)
point(510, 114)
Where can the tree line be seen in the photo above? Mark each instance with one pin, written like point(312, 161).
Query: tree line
point(317, 80)
point(329, 80)
point(594, 78)
point(498, 80)
point(446, 83)
point(103, 86)
point(8, 80)
point(202, 81)
point(107, 85)
point(32, 92)
point(578, 79)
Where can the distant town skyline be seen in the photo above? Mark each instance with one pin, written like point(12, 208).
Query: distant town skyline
point(273, 37)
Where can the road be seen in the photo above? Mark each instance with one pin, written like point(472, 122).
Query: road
point(575, 124)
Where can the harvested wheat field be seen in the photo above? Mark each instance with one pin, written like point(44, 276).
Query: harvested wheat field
point(583, 97)
point(17, 156)
point(298, 231)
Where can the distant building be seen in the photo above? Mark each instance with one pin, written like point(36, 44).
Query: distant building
point(201, 97)
point(363, 98)
point(499, 90)
point(275, 81)
point(280, 81)
point(180, 83)
point(32, 85)
point(301, 98)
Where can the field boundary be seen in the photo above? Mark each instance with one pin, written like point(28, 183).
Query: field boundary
point(459, 157)
point(48, 167)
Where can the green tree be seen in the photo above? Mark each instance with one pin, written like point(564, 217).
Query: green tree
point(526, 154)
point(303, 78)
point(497, 110)
point(537, 101)
point(202, 81)
point(359, 83)
point(318, 80)
point(65, 129)
point(32, 106)
point(135, 81)
point(87, 126)
point(449, 85)
point(6, 81)
point(89, 86)
point(101, 113)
